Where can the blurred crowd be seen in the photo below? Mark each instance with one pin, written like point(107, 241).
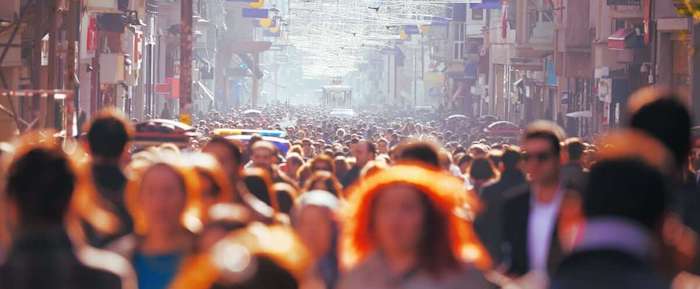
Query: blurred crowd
point(388, 199)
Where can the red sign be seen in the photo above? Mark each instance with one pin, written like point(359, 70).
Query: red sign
point(162, 88)
point(92, 34)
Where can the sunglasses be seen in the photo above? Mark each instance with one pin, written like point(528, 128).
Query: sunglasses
point(540, 157)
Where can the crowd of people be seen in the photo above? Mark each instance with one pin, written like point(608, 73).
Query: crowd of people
point(379, 201)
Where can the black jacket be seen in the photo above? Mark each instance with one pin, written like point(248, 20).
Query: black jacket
point(47, 259)
point(488, 224)
point(516, 214)
point(606, 269)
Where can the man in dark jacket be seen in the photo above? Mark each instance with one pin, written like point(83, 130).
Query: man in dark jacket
point(531, 213)
point(624, 205)
point(41, 255)
point(488, 224)
point(107, 139)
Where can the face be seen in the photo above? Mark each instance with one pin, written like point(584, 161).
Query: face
point(361, 153)
point(540, 162)
point(263, 158)
point(292, 168)
point(162, 198)
point(382, 147)
point(226, 160)
point(398, 219)
point(315, 230)
point(321, 166)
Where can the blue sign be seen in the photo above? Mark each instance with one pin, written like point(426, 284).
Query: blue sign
point(255, 13)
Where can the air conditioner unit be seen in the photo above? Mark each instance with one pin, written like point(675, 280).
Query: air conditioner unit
point(106, 6)
point(111, 68)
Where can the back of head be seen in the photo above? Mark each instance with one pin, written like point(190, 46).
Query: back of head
point(108, 134)
point(626, 188)
point(419, 151)
point(41, 182)
point(511, 158)
point(574, 148)
point(481, 169)
point(661, 114)
point(232, 147)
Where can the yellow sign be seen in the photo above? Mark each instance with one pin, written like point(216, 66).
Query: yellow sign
point(186, 119)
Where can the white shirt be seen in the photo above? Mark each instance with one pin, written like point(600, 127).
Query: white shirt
point(540, 227)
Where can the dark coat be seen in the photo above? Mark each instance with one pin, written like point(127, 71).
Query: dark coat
point(606, 269)
point(488, 224)
point(516, 213)
point(48, 260)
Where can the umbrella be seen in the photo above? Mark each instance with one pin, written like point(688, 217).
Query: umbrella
point(503, 128)
point(163, 126)
point(488, 118)
point(457, 116)
point(580, 114)
point(252, 113)
point(164, 131)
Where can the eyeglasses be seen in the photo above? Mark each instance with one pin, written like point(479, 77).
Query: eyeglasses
point(540, 157)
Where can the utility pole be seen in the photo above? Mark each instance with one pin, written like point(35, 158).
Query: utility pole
point(72, 32)
point(186, 61)
point(256, 82)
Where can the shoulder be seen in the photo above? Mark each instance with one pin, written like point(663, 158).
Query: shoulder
point(108, 263)
point(124, 246)
point(364, 275)
point(517, 196)
point(470, 278)
point(604, 267)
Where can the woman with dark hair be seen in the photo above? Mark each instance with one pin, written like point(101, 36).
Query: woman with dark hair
point(482, 173)
point(324, 181)
point(401, 228)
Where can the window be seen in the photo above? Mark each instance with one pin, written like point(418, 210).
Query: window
point(477, 14)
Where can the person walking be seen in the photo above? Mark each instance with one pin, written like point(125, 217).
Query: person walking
point(489, 223)
point(530, 216)
point(401, 232)
point(41, 184)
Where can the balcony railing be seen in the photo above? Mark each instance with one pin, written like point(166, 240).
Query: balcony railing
point(624, 2)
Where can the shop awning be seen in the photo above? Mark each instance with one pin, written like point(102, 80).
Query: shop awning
point(625, 39)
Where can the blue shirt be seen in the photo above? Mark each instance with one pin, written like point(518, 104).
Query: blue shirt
point(156, 271)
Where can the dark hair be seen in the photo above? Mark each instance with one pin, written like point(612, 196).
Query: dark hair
point(482, 169)
point(371, 147)
point(41, 182)
point(575, 148)
point(330, 181)
point(233, 148)
point(419, 151)
point(108, 134)
point(510, 158)
point(546, 135)
point(323, 158)
point(463, 158)
point(626, 188)
point(667, 120)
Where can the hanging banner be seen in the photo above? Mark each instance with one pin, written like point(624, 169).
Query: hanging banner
point(88, 36)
